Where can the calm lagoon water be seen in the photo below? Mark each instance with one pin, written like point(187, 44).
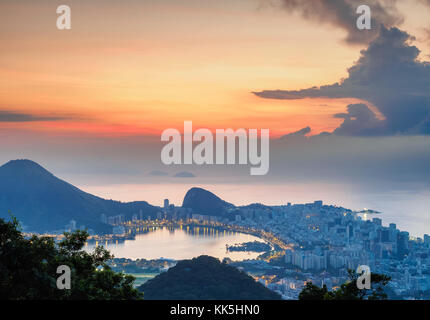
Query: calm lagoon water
point(180, 244)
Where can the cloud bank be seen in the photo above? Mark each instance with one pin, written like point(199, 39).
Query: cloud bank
point(184, 174)
point(10, 116)
point(342, 14)
point(388, 75)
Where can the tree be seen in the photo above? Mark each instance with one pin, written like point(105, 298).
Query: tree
point(28, 268)
point(348, 290)
point(313, 292)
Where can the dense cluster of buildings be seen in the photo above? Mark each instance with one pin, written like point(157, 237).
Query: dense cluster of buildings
point(329, 240)
point(325, 242)
point(72, 226)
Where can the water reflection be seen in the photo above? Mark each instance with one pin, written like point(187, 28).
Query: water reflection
point(183, 242)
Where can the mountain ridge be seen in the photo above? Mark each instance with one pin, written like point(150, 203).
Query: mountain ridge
point(43, 202)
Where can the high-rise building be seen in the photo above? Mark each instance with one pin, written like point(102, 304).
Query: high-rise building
point(402, 244)
point(385, 235)
point(392, 230)
point(350, 231)
point(121, 219)
point(377, 221)
point(111, 220)
point(427, 239)
point(318, 203)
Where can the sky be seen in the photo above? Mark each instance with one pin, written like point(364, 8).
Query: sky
point(124, 63)
point(348, 110)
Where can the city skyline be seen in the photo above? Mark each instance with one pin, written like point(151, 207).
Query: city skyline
point(90, 103)
point(215, 150)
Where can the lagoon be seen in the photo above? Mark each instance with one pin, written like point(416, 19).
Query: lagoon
point(180, 243)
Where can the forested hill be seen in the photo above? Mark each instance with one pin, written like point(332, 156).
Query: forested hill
point(205, 278)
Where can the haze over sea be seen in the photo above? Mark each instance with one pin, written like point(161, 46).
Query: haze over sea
point(408, 209)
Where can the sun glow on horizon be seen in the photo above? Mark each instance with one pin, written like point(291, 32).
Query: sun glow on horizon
point(141, 68)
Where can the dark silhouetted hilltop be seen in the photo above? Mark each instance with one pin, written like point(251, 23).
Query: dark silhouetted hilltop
point(43, 202)
point(205, 202)
point(205, 278)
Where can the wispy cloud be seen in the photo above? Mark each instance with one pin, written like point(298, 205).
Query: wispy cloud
point(11, 116)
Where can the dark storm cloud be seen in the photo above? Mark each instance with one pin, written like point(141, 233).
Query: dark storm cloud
point(388, 75)
point(10, 116)
point(359, 121)
point(300, 133)
point(342, 14)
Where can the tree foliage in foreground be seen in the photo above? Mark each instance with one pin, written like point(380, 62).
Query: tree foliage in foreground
point(28, 268)
point(348, 290)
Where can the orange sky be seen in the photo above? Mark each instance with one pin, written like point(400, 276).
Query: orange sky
point(148, 66)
